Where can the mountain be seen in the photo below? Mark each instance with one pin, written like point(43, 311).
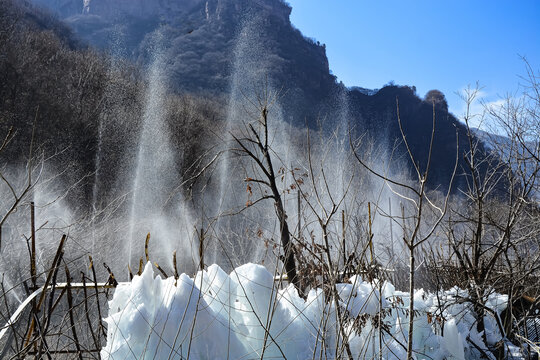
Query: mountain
point(208, 45)
point(79, 111)
point(201, 43)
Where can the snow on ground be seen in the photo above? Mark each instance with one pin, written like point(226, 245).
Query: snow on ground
point(226, 316)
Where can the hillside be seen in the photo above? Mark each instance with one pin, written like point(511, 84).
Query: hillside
point(206, 43)
point(77, 102)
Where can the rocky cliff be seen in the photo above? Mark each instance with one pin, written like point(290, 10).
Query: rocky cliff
point(112, 9)
point(210, 43)
point(200, 37)
point(136, 8)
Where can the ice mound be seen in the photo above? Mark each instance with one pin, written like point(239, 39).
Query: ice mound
point(243, 315)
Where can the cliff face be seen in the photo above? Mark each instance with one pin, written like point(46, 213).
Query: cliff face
point(63, 8)
point(209, 43)
point(111, 9)
point(200, 39)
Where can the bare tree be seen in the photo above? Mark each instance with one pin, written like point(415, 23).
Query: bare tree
point(417, 196)
point(254, 143)
point(17, 194)
point(324, 205)
point(494, 232)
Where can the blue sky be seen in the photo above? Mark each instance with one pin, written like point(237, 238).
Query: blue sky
point(435, 44)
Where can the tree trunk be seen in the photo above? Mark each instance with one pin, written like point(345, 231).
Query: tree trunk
point(411, 305)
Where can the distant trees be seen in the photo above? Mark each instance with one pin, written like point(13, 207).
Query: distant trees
point(76, 89)
point(436, 97)
point(39, 70)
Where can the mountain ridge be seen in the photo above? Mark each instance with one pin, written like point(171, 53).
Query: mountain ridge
point(201, 41)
